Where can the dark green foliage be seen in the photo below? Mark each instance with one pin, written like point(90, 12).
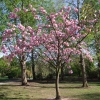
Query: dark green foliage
point(91, 69)
point(50, 76)
point(3, 66)
point(93, 73)
point(13, 72)
point(39, 76)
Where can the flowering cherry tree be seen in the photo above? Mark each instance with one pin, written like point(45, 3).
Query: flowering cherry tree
point(61, 41)
point(18, 40)
point(58, 38)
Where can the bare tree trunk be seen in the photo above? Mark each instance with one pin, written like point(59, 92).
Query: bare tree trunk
point(23, 69)
point(84, 77)
point(33, 66)
point(58, 97)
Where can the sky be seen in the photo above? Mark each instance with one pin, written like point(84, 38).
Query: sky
point(1, 54)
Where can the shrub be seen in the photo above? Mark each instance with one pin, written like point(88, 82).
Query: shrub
point(28, 73)
point(93, 73)
point(13, 72)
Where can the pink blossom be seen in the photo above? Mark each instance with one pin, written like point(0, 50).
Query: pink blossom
point(58, 38)
point(70, 72)
point(66, 43)
point(76, 10)
point(4, 49)
point(8, 31)
point(43, 10)
point(68, 67)
point(29, 27)
point(37, 17)
point(24, 33)
point(33, 9)
point(73, 38)
point(52, 16)
point(55, 25)
point(30, 6)
point(13, 15)
point(64, 7)
point(17, 9)
point(14, 34)
point(11, 25)
point(69, 8)
point(21, 27)
point(25, 10)
point(67, 22)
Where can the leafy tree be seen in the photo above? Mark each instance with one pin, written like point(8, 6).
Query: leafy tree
point(92, 13)
point(82, 62)
point(3, 67)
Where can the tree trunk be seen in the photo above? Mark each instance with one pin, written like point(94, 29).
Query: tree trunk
point(98, 67)
point(84, 77)
point(23, 72)
point(33, 66)
point(58, 97)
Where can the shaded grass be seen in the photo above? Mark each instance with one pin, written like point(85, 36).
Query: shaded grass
point(3, 78)
point(46, 91)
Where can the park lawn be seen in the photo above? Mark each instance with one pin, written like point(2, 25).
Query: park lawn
point(3, 78)
point(46, 91)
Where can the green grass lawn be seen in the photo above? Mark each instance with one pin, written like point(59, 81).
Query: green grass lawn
point(3, 78)
point(46, 91)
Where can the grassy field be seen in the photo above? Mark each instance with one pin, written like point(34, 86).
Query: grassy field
point(46, 91)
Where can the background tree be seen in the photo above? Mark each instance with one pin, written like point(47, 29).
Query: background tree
point(3, 67)
point(91, 9)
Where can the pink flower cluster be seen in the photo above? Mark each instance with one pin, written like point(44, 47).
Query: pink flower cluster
point(17, 10)
point(43, 10)
point(70, 71)
point(62, 41)
point(59, 39)
point(21, 42)
point(13, 15)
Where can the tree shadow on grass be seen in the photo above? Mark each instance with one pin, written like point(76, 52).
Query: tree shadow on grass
point(17, 99)
point(62, 87)
point(95, 83)
point(90, 96)
point(13, 82)
point(74, 87)
point(13, 85)
point(3, 98)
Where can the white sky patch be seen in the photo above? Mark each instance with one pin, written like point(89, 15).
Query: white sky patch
point(1, 54)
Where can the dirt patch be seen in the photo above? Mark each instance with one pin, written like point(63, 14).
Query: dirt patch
point(65, 99)
point(2, 83)
point(11, 82)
